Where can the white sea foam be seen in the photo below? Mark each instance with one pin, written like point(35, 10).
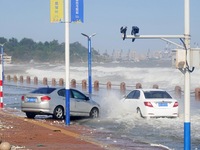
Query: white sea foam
point(166, 78)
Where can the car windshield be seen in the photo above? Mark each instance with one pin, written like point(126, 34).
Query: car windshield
point(156, 94)
point(43, 90)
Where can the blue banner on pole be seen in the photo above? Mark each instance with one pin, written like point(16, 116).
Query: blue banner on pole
point(77, 11)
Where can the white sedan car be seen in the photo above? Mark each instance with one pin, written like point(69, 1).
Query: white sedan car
point(151, 103)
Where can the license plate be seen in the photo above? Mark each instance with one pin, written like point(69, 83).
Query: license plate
point(31, 99)
point(162, 104)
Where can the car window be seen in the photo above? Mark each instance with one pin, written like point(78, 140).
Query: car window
point(62, 93)
point(130, 95)
point(136, 95)
point(133, 95)
point(45, 90)
point(78, 95)
point(156, 94)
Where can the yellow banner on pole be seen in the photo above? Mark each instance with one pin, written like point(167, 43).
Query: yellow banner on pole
point(56, 11)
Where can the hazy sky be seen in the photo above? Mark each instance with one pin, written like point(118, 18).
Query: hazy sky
point(31, 19)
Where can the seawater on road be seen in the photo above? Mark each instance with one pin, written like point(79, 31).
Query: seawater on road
point(115, 126)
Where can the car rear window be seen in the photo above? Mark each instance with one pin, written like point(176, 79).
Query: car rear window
point(43, 90)
point(156, 94)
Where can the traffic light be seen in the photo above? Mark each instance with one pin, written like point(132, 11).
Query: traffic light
point(134, 31)
point(123, 31)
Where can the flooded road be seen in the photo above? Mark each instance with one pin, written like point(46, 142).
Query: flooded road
point(120, 127)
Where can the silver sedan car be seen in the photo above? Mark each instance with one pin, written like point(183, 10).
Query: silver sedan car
point(51, 101)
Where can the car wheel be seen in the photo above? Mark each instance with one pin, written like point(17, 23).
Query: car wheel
point(140, 113)
point(94, 113)
point(58, 112)
point(30, 115)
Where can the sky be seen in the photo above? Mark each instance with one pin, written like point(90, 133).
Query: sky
point(31, 19)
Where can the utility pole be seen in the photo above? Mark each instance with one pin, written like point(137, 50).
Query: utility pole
point(67, 64)
point(187, 138)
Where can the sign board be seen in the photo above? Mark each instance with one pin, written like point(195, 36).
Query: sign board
point(195, 57)
point(77, 11)
point(179, 58)
point(56, 11)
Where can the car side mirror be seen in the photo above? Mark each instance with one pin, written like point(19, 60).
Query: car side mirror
point(87, 99)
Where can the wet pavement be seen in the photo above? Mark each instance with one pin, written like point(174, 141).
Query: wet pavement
point(29, 134)
point(34, 134)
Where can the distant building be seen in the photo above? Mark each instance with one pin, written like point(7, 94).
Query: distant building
point(131, 56)
point(116, 55)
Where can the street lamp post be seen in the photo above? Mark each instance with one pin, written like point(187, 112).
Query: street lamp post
point(2, 61)
point(187, 129)
point(67, 64)
point(1, 76)
point(89, 62)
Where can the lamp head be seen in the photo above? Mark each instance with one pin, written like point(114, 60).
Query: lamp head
point(88, 36)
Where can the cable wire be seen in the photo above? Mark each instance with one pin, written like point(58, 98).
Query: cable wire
point(187, 66)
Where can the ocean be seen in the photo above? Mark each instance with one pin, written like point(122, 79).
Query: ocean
point(114, 119)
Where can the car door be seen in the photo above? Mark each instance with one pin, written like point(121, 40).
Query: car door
point(62, 93)
point(82, 105)
point(132, 100)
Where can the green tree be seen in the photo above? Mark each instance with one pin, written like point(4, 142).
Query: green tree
point(27, 50)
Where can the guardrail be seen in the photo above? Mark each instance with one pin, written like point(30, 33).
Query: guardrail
point(96, 85)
